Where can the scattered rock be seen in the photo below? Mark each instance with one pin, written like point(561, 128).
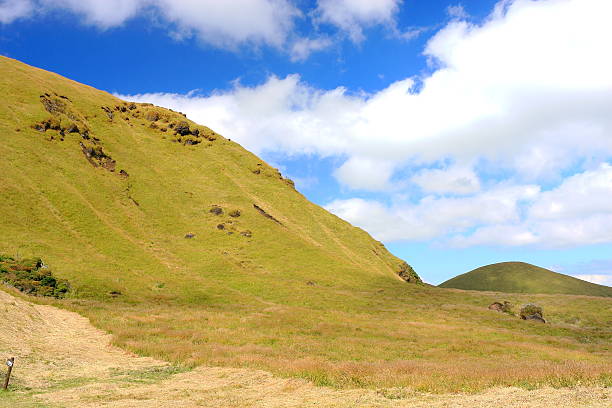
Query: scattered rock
point(114, 293)
point(310, 283)
point(265, 214)
point(72, 128)
point(53, 105)
point(109, 112)
point(234, 213)
point(504, 306)
point(221, 226)
point(189, 236)
point(246, 233)
point(216, 210)
point(123, 174)
point(97, 157)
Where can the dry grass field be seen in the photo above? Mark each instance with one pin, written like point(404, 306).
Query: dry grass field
point(63, 361)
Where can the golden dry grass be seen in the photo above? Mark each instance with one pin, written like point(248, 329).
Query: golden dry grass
point(63, 361)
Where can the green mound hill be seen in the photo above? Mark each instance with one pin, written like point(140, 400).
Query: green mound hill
point(521, 277)
point(186, 247)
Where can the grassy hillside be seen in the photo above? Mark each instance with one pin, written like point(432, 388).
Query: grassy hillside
point(188, 248)
point(521, 277)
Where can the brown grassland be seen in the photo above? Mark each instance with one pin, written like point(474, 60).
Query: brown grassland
point(63, 361)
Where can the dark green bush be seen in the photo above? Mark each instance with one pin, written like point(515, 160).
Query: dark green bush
point(32, 277)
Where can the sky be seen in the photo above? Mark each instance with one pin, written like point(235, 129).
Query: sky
point(459, 133)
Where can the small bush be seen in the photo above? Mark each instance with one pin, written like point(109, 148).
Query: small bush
point(32, 277)
point(531, 312)
point(152, 116)
point(182, 128)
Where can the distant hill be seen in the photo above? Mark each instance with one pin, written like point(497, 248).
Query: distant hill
point(521, 277)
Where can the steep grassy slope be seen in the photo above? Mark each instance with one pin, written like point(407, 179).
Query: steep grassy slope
point(129, 215)
point(129, 225)
point(521, 277)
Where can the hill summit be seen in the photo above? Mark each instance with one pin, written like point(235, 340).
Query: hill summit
point(521, 277)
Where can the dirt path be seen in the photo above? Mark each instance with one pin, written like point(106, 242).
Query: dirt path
point(63, 361)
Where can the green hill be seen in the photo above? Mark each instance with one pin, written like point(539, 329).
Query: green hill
point(186, 247)
point(144, 197)
point(521, 277)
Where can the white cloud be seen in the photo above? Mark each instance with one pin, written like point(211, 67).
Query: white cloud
point(502, 215)
point(365, 174)
point(457, 11)
point(454, 180)
point(352, 16)
point(11, 10)
point(596, 271)
point(581, 195)
point(434, 217)
point(577, 212)
point(226, 24)
point(230, 23)
point(104, 14)
point(302, 48)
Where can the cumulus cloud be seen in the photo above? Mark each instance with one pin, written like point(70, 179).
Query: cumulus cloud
point(457, 11)
point(352, 16)
point(229, 23)
point(226, 24)
point(11, 10)
point(302, 48)
point(454, 180)
point(105, 14)
point(576, 212)
point(433, 217)
point(365, 174)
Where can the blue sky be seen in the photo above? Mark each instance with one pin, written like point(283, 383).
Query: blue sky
point(459, 133)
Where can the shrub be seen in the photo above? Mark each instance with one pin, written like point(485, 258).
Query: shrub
point(531, 312)
point(234, 213)
point(32, 277)
point(408, 274)
point(152, 116)
point(182, 128)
